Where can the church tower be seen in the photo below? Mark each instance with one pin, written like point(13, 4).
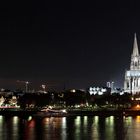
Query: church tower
point(132, 76)
point(135, 58)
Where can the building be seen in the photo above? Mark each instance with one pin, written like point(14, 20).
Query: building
point(132, 76)
point(99, 90)
point(111, 86)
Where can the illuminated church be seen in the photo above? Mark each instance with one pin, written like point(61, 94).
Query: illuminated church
point(132, 76)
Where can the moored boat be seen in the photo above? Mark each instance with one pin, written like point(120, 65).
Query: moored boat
point(51, 113)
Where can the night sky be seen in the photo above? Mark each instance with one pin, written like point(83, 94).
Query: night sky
point(71, 45)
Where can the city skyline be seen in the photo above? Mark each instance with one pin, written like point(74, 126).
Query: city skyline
point(66, 46)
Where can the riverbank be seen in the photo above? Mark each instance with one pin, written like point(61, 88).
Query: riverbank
point(106, 113)
point(24, 113)
point(20, 113)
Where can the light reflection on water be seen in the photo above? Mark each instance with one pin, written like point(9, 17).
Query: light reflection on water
point(70, 128)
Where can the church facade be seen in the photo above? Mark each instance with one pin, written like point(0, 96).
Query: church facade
point(132, 76)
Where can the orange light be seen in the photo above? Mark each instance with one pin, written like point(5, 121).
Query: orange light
point(138, 106)
point(138, 119)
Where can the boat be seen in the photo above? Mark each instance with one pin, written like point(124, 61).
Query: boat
point(51, 113)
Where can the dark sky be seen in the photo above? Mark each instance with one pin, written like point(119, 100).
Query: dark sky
point(73, 44)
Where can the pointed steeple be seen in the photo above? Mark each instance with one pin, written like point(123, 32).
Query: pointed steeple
point(135, 47)
point(135, 58)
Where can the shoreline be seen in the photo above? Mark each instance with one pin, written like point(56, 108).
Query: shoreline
point(103, 113)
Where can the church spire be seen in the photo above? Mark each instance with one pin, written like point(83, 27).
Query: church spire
point(135, 58)
point(135, 47)
point(132, 76)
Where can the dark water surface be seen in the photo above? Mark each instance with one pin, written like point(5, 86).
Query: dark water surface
point(70, 128)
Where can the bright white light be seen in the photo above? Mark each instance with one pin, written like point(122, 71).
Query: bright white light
point(73, 90)
point(1, 118)
point(90, 88)
point(29, 118)
point(95, 92)
point(121, 93)
point(64, 111)
point(103, 90)
point(96, 118)
point(100, 93)
point(94, 88)
point(27, 82)
point(91, 92)
point(78, 105)
point(97, 88)
point(15, 119)
point(64, 122)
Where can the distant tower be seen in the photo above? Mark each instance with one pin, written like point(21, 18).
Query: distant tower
point(108, 84)
point(132, 76)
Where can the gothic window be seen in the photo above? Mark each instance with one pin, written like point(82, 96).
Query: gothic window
point(127, 84)
point(135, 64)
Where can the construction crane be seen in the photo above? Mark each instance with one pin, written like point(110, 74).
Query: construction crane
point(26, 84)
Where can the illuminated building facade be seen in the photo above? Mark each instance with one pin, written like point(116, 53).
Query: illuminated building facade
point(98, 90)
point(132, 76)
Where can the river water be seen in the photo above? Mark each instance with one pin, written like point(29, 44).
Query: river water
point(70, 128)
